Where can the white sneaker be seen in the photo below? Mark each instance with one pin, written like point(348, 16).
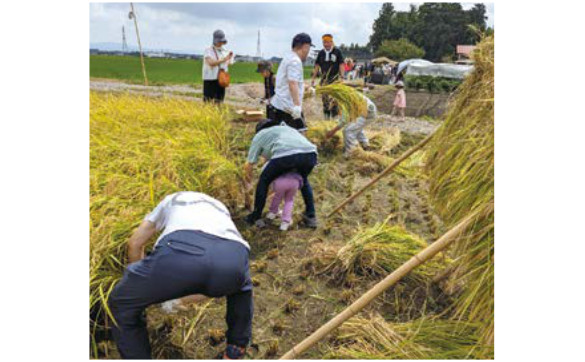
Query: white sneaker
point(271, 216)
point(285, 225)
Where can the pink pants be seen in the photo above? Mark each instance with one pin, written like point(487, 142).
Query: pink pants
point(284, 187)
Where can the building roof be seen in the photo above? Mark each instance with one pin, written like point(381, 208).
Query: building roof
point(465, 49)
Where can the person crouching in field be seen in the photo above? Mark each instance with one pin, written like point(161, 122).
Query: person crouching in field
point(286, 149)
point(354, 129)
point(265, 69)
point(215, 59)
point(199, 252)
point(399, 100)
point(285, 187)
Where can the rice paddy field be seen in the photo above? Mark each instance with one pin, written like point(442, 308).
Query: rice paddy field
point(143, 148)
point(166, 71)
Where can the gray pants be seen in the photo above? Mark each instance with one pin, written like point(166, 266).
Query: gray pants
point(184, 262)
point(354, 133)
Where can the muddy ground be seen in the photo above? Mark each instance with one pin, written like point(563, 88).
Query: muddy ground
point(291, 301)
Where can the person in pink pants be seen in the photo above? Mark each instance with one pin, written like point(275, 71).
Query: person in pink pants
point(285, 187)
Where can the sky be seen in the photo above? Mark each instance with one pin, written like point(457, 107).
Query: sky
point(188, 27)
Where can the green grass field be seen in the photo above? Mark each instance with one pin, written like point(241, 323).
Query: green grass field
point(166, 71)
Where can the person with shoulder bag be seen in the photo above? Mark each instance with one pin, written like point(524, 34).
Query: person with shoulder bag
point(215, 69)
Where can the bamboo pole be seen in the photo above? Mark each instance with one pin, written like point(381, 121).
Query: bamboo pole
point(139, 44)
point(387, 170)
point(386, 283)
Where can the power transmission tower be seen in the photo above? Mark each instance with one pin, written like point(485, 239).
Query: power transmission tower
point(124, 43)
point(258, 52)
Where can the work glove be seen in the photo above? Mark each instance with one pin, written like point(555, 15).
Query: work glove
point(312, 91)
point(296, 112)
point(169, 306)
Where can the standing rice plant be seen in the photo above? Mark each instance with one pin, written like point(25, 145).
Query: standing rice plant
point(142, 149)
point(347, 98)
point(460, 165)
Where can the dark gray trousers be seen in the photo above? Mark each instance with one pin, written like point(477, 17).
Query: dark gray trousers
point(183, 263)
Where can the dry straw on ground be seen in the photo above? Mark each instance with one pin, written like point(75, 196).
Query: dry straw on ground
point(377, 251)
point(423, 338)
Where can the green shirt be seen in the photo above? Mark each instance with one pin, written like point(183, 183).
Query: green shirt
point(278, 141)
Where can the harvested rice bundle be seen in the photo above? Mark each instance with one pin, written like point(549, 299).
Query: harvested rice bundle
point(348, 99)
point(142, 149)
point(379, 250)
point(460, 165)
point(425, 338)
point(317, 134)
point(384, 141)
point(368, 162)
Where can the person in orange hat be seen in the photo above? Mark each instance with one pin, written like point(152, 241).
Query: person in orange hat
point(330, 63)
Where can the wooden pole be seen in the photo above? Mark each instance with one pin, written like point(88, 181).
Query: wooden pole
point(386, 171)
point(386, 283)
point(139, 44)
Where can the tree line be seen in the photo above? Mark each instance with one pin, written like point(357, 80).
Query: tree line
point(430, 30)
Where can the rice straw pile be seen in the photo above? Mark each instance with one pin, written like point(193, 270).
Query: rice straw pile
point(317, 132)
point(460, 165)
point(379, 250)
point(423, 338)
point(347, 98)
point(142, 149)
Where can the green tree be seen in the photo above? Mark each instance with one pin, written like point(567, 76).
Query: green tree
point(435, 27)
point(382, 25)
point(399, 50)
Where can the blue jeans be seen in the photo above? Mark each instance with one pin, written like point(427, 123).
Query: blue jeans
point(184, 262)
point(303, 164)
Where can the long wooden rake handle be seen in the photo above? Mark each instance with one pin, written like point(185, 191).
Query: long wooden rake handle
point(387, 170)
point(386, 283)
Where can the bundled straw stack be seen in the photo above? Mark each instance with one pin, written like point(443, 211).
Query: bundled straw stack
point(379, 250)
point(142, 149)
point(461, 172)
point(347, 98)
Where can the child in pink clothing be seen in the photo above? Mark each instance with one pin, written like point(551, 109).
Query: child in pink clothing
point(285, 187)
point(399, 100)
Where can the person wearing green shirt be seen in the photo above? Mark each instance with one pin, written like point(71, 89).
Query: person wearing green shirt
point(286, 149)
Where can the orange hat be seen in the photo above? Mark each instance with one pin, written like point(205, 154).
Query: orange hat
point(327, 37)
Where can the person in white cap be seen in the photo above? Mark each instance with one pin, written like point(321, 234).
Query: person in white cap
point(216, 57)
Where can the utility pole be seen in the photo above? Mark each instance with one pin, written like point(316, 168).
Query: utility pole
point(132, 15)
point(258, 51)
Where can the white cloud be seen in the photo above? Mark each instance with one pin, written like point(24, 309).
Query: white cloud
point(188, 27)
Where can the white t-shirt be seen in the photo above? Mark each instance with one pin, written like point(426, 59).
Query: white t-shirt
point(187, 210)
point(290, 69)
point(209, 72)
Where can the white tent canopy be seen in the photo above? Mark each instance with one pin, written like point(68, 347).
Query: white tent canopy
point(424, 67)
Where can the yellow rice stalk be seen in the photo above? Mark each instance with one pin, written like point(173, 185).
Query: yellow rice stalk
point(142, 149)
point(384, 141)
point(348, 99)
point(423, 338)
point(460, 165)
point(379, 250)
point(317, 134)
